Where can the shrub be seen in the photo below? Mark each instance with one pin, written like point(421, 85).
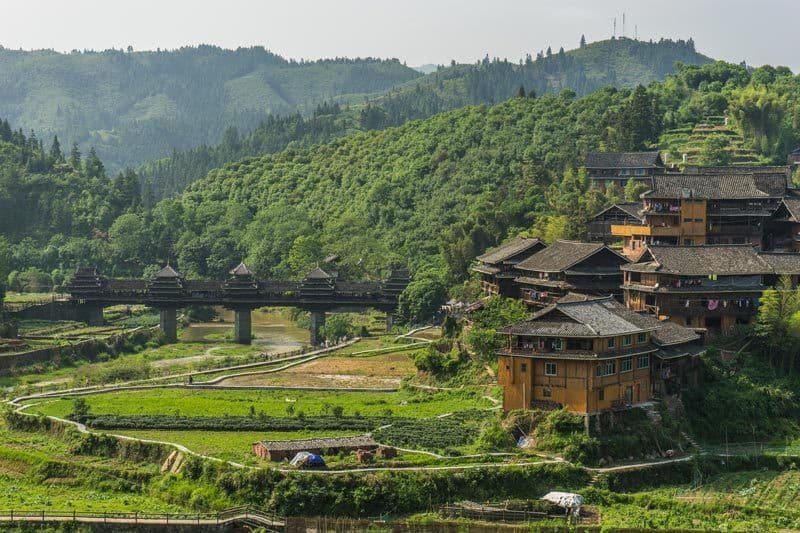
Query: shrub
point(494, 437)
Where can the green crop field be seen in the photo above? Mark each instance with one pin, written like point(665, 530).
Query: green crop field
point(272, 402)
point(738, 501)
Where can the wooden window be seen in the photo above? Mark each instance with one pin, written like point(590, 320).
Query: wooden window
point(626, 340)
point(608, 368)
point(641, 337)
point(550, 369)
point(601, 395)
point(643, 362)
point(626, 365)
point(524, 367)
point(557, 344)
point(611, 342)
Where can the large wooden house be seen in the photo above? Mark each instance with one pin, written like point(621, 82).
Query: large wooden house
point(496, 266)
point(705, 208)
point(591, 355)
point(713, 287)
point(605, 168)
point(564, 266)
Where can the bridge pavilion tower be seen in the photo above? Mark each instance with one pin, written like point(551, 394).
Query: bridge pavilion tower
point(166, 289)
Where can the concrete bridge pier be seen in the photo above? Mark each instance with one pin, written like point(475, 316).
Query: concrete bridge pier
point(317, 321)
point(389, 322)
point(242, 326)
point(168, 323)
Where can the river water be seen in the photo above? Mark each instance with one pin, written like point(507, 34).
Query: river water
point(272, 332)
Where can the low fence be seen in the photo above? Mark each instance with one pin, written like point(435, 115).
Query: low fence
point(491, 514)
point(244, 515)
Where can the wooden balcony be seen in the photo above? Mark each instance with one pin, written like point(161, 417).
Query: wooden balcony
point(647, 231)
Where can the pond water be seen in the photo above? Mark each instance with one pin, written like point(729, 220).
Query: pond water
point(272, 332)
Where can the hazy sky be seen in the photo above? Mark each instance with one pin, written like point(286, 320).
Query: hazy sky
point(416, 31)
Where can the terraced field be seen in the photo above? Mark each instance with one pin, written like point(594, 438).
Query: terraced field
point(209, 402)
point(379, 371)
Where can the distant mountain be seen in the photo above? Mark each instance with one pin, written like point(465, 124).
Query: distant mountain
point(614, 62)
point(137, 106)
point(427, 68)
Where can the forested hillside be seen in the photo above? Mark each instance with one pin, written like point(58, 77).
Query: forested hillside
point(137, 106)
point(616, 62)
point(431, 194)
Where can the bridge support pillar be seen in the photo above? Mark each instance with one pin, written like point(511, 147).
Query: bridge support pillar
point(92, 315)
point(168, 323)
point(317, 321)
point(242, 326)
point(389, 322)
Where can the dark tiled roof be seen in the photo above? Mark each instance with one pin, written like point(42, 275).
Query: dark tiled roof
point(168, 272)
point(670, 333)
point(602, 317)
point(540, 282)
point(782, 264)
point(318, 273)
point(485, 269)
point(623, 160)
point(738, 169)
point(792, 204)
point(562, 255)
point(718, 186)
point(318, 444)
point(722, 259)
point(578, 297)
point(506, 251)
point(631, 209)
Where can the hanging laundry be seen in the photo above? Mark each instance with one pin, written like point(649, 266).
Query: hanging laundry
point(712, 304)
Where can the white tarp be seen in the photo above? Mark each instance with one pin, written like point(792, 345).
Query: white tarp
point(300, 458)
point(567, 500)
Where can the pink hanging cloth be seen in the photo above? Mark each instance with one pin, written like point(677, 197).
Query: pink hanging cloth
point(712, 304)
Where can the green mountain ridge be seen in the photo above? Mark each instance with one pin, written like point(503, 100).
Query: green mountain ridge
point(137, 106)
point(614, 62)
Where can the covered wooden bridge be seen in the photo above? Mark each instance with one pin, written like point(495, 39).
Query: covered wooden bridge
point(168, 290)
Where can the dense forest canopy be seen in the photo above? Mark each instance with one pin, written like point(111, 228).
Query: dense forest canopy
point(616, 62)
point(431, 194)
point(137, 106)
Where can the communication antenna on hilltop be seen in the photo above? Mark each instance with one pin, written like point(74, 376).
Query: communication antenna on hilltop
point(623, 24)
point(636, 32)
point(615, 27)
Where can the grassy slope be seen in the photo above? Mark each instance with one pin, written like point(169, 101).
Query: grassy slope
point(26, 485)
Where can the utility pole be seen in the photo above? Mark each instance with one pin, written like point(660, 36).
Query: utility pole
point(615, 27)
point(623, 24)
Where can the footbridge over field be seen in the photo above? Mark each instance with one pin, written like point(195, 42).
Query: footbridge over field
point(168, 290)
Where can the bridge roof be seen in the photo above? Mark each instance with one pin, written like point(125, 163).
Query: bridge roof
point(168, 272)
point(318, 273)
point(242, 270)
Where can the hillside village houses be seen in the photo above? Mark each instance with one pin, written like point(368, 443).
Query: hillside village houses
point(621, 320)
